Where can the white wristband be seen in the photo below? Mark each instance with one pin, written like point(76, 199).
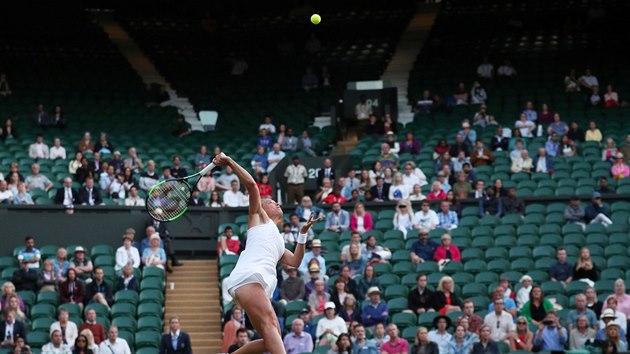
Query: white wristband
point(302, 238)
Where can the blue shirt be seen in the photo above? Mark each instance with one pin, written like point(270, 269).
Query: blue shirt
point(508, 303)
point(174, 337)
point(265, 141)
point(455, 348)
point(552, 147)
point(367, 348)
point(561, 271)
point(28, 255)
point(590, 315)
point(261, 158)
point(146, 244)
point(550, 339)
point(375, 314)
point(601, 334)
point(531, 115)
point(424, 251)
point(307, 257)
point(447, 221)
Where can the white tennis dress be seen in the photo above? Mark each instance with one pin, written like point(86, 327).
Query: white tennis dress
point(257, 263)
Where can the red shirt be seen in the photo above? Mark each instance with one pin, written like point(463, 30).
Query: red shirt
point(232, 246)
point(398, 347)
point(331, 198)
point(265, 190)
point(97, 331)
point(436, 196)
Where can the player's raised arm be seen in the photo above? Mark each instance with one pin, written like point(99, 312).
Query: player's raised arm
point(246, 180)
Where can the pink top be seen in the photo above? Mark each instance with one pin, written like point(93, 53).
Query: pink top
point(623, 303)
point(619, 169)
point(367, 222)
point(398, 347)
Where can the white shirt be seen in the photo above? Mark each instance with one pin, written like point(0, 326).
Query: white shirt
point(505, 70)
point(134, 201)
point(39, 148)
point(274, 156)
point(57, 153)
point(525, 128)
point(270, 128)
point(8, 331)
point(404, 192)
point(51, 349)
point(119, 347)
point(590, 80)
point(6, 195)
point(232, 199)
point(499, 325)
point(522, 296)
point(426, 221)
point(485, 70)
point(442, 341)
point(124, 256)
point(337, 325)
point(72, 331)
point(295, 174)
point(412, 180)
point(541, 165)
point(67, 196)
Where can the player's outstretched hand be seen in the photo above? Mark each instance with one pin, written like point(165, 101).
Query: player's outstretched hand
point(221, 160)
point(307, 225)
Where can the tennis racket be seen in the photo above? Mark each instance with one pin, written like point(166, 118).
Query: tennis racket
point(168, 200)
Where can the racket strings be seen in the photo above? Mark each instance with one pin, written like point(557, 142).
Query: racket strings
point(168, 200)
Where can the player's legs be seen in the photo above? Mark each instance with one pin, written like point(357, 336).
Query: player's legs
point(254, 300)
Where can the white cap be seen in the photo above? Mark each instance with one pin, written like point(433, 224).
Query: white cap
point(330, 305)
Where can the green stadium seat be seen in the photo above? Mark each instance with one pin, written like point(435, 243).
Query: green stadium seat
point(149, 309)
point(498, 265)
point(102, 250)
point(225, 260)
point(48, 297)
point(125, 323)
point(294, 307)
point(42, 324)
point(150, 323)
point(434, 278)
point(520, 252)
point(101, 310)
point(153, 272)
point(463, 278)
point(475, 266)
point(43, 310)
point(427, 267)
point(482, 242)
point(487, 278)
point(151, 295)
point(404, 319)
point(73, 309)
point(534, 219)
point(383, 225)
point(474, 289)
point(120, 309)
point(397, 305)
point(37, 338)
point(549, 239)
point(395, 291)
point(522, 264)
point(409, 333)
point(402, 268)
point(575, 287)
point(152, 283)
point(453, 267)
point(409, 280)
point(505, 241)
point(426, 319)
point(388, 279)
point(496, 253)
point(552, 287)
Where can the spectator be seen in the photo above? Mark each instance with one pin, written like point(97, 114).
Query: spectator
point(267, 125)
point(337, 220)
point(585, 269)
point(460, 96)
point(416, 194)
point(103, 145)
point(387, 158)
point(574, 213)
point(426, 218)
point(499, 141)
point(373, 127)
point(47, 279)
point(117, 345)
point(479, 191)
point(355, 260)
point(29, 254)
point(552, 146)
point(295, 175)
point(512, 204)
point(8, 290)
point(515, 138)
point(611, 98)
point(127, 281)
point(597, 212)
point(376, 311)
point(503, 291)
point(517, 151)
point(523, 163)
point(274, 157)
point(541, 163)
point(443, 180)
point(622, 299)
point(234, 197)
point(40, 117)
point(404, 217)
point(610, 151)
point(264, 139)
point(571, 82)
point(551, 335)
point(625, 149)
point(423, 249)
point(459, 161)
point(99, 291)
point(447, 219)
point(298, 341)
point(482, 118)
point(380, 336)
point(421, 298)
point(149, 177)
point(349, 310)
point(545, 115)
point(259, 160)
point(81, 264)
point(361, 344)
point(581, 333)
point(61, 264)
point(182, 128)
point(592, 302)
point(481, 156)
point(12, 305)
point(25, 278)
point(446, 251)
point(581, 311)
point(395, 344)
point(360, 220)
point(485, 70)
point(436, 192)
point(478, 94)
point(229, 243)
point(56, 344)
point(559, 127)
point(56, 152)
point(282, 129)
point(37, 180)
point(423, 344)
point(315, 252)
point(469, 135)
point(525, 126)
point(335, 196)
point(71, 290)
point(296, 225)
point(68, 329)
point(485, 345)
point(89, 195)
point(500, 322)
point(93, 326)
point(215, 200)
point(66, 196)
point(290, 142)
point(440, 149)
point(459, 342)
point(229, 329)
point(331, 326)
point(445, 300)
point(575, 132)
point(154, 255)
point(613, 334)
point(490, 204)
point(390, 139)
point(620, 169)
point(611, 316)
point(292, 288)
point(561, 271)
point(305, 210)
point(593, 133)
point(588, 80)
point(410, 145)
point(469, 319)
point(327, 171)
point(439, 335)
point(366, 281)
point(462, 188)
point(522, 338)
point(506, 70)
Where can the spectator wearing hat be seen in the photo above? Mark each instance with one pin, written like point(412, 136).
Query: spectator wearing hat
point(447, 251)
point(154, 256)
point(81, 264)
point(313, 276)
point(597, 212)
point(376, 311)
point(315, 252)
point(485, 345)
point(331, 326)
point(609, 317)
point(439, 335)
point(390, 139)
point(420, 299)
point(469, 135)
point(395, 344)
point(423, 249)
point(500, 321)
point(298, 341)
point(613, 334)
point(620, 169)
point(613, 303)
point(551, 335)
point(127, 253)
point(522, 296)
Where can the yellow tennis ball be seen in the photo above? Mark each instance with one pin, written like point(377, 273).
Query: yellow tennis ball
point(316, 19)
point(158, 211)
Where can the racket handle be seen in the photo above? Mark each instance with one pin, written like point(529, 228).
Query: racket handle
point(207, 168)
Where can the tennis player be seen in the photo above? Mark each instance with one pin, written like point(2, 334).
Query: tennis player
point(253, 280)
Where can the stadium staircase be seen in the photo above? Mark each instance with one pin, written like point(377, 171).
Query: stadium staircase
point(145, 68)
point(195, 299)
point(411, 41)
